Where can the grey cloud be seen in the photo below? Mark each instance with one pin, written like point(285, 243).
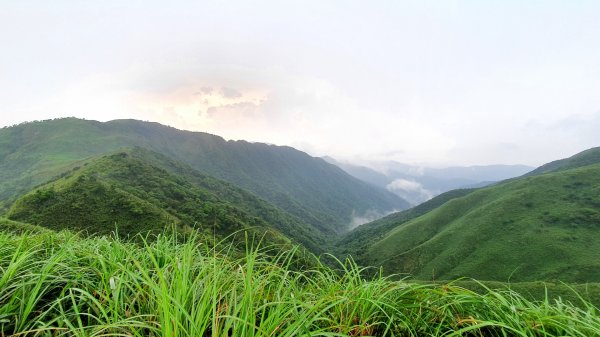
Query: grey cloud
point(230, 92)
point(206, 90)
point(242, 108)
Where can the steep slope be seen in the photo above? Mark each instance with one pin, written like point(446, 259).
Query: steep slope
point(357, 241)
point(307, 187)
point(11, 226)
point(543, 227)
point(136, 190)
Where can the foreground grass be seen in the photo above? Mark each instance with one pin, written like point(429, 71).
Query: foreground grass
point(61, 284)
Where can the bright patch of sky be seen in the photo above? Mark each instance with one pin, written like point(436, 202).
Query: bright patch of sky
point(430, 82)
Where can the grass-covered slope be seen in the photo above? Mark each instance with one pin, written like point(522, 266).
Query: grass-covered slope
point(544, 227)
point(137, 191)
point(356, 242)
point(62, 285)
point(307, 187)
point(10, 226)
point(587, 157)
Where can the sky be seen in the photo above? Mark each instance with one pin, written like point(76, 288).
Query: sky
point(422, 82)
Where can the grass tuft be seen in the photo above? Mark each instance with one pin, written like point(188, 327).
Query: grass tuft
point(64, 285)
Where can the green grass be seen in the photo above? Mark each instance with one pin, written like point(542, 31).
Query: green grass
point(58, 284)
point(537, 228)
point(357, 242)
point(578, 294)
point(141, 191)
point(584, 158)
point(11, 226)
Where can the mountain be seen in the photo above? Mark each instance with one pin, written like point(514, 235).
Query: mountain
point(538, 227)
point(138, 191)
point(308, 188)
point(418, 184)
point(16, 227)
point(587, 157)
point(361, 172)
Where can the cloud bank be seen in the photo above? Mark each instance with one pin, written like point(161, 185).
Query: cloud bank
point(410, 190)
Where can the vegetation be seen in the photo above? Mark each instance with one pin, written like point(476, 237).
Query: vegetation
point(10, 226)
point(523, 237)
point(584, 158)
point(543, 227)
point(308, 188)
point(356, 242)
point(63, 285)
point(577, 293)
point(134, 190)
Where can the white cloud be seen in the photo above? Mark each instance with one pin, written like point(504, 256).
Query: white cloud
point(366, 217)
point(410, 190)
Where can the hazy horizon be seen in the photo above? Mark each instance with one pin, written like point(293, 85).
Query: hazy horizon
point(428, 83)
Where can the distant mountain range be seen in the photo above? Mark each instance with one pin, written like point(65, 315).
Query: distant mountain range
point(543, 226)
point(417, 184)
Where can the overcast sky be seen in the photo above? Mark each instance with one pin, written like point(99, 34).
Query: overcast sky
point(430, 82)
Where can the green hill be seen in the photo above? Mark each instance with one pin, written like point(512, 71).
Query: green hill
point(306, 187)
point(15, 227)
point(136, 190)
point(541, 227)
point(357, 241)
point(587, 157)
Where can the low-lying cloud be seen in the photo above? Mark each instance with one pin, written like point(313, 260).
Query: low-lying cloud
point(366, 217)
point(409, 190)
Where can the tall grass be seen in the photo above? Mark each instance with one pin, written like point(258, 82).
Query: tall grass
point(63, 285)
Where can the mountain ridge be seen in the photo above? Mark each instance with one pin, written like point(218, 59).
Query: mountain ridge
point(135, 191)
point(418, 184)
point(305, 187)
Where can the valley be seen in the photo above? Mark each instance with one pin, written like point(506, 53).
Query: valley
point(71, 183)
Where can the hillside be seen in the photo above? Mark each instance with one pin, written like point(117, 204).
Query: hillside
point(538, 227)
point(587, 157)
point(357, 241)
point(135, 190)
point(309, 188)
point(15, 227)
